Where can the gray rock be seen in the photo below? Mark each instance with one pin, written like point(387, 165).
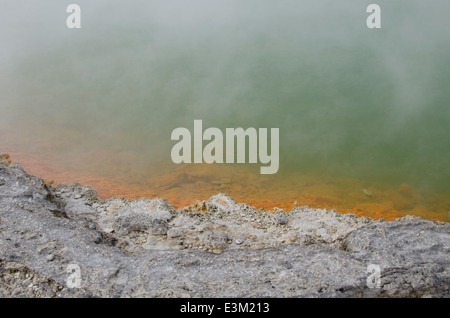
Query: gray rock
point(220, 202)
point(281, 218)
point(144, 248)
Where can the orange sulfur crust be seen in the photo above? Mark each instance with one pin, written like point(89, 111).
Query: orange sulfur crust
point(191, 183)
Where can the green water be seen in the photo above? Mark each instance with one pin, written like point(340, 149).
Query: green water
point(349, 101)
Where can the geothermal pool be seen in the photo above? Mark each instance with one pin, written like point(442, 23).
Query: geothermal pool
point(363, 115)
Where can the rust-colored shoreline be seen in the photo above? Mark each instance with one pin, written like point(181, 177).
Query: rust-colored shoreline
point(189, 184)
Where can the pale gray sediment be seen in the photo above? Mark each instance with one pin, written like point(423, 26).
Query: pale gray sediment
point(216, 248)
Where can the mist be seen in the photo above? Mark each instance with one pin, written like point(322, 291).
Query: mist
point(348, 100)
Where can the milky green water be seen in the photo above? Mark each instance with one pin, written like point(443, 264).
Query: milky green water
point(373, 105)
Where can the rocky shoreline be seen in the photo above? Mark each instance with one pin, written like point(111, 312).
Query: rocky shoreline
point(215, 248)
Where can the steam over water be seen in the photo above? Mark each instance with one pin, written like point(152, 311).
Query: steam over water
point(363, 114)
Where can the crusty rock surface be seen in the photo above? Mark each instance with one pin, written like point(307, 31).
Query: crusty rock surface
point(215, 248)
